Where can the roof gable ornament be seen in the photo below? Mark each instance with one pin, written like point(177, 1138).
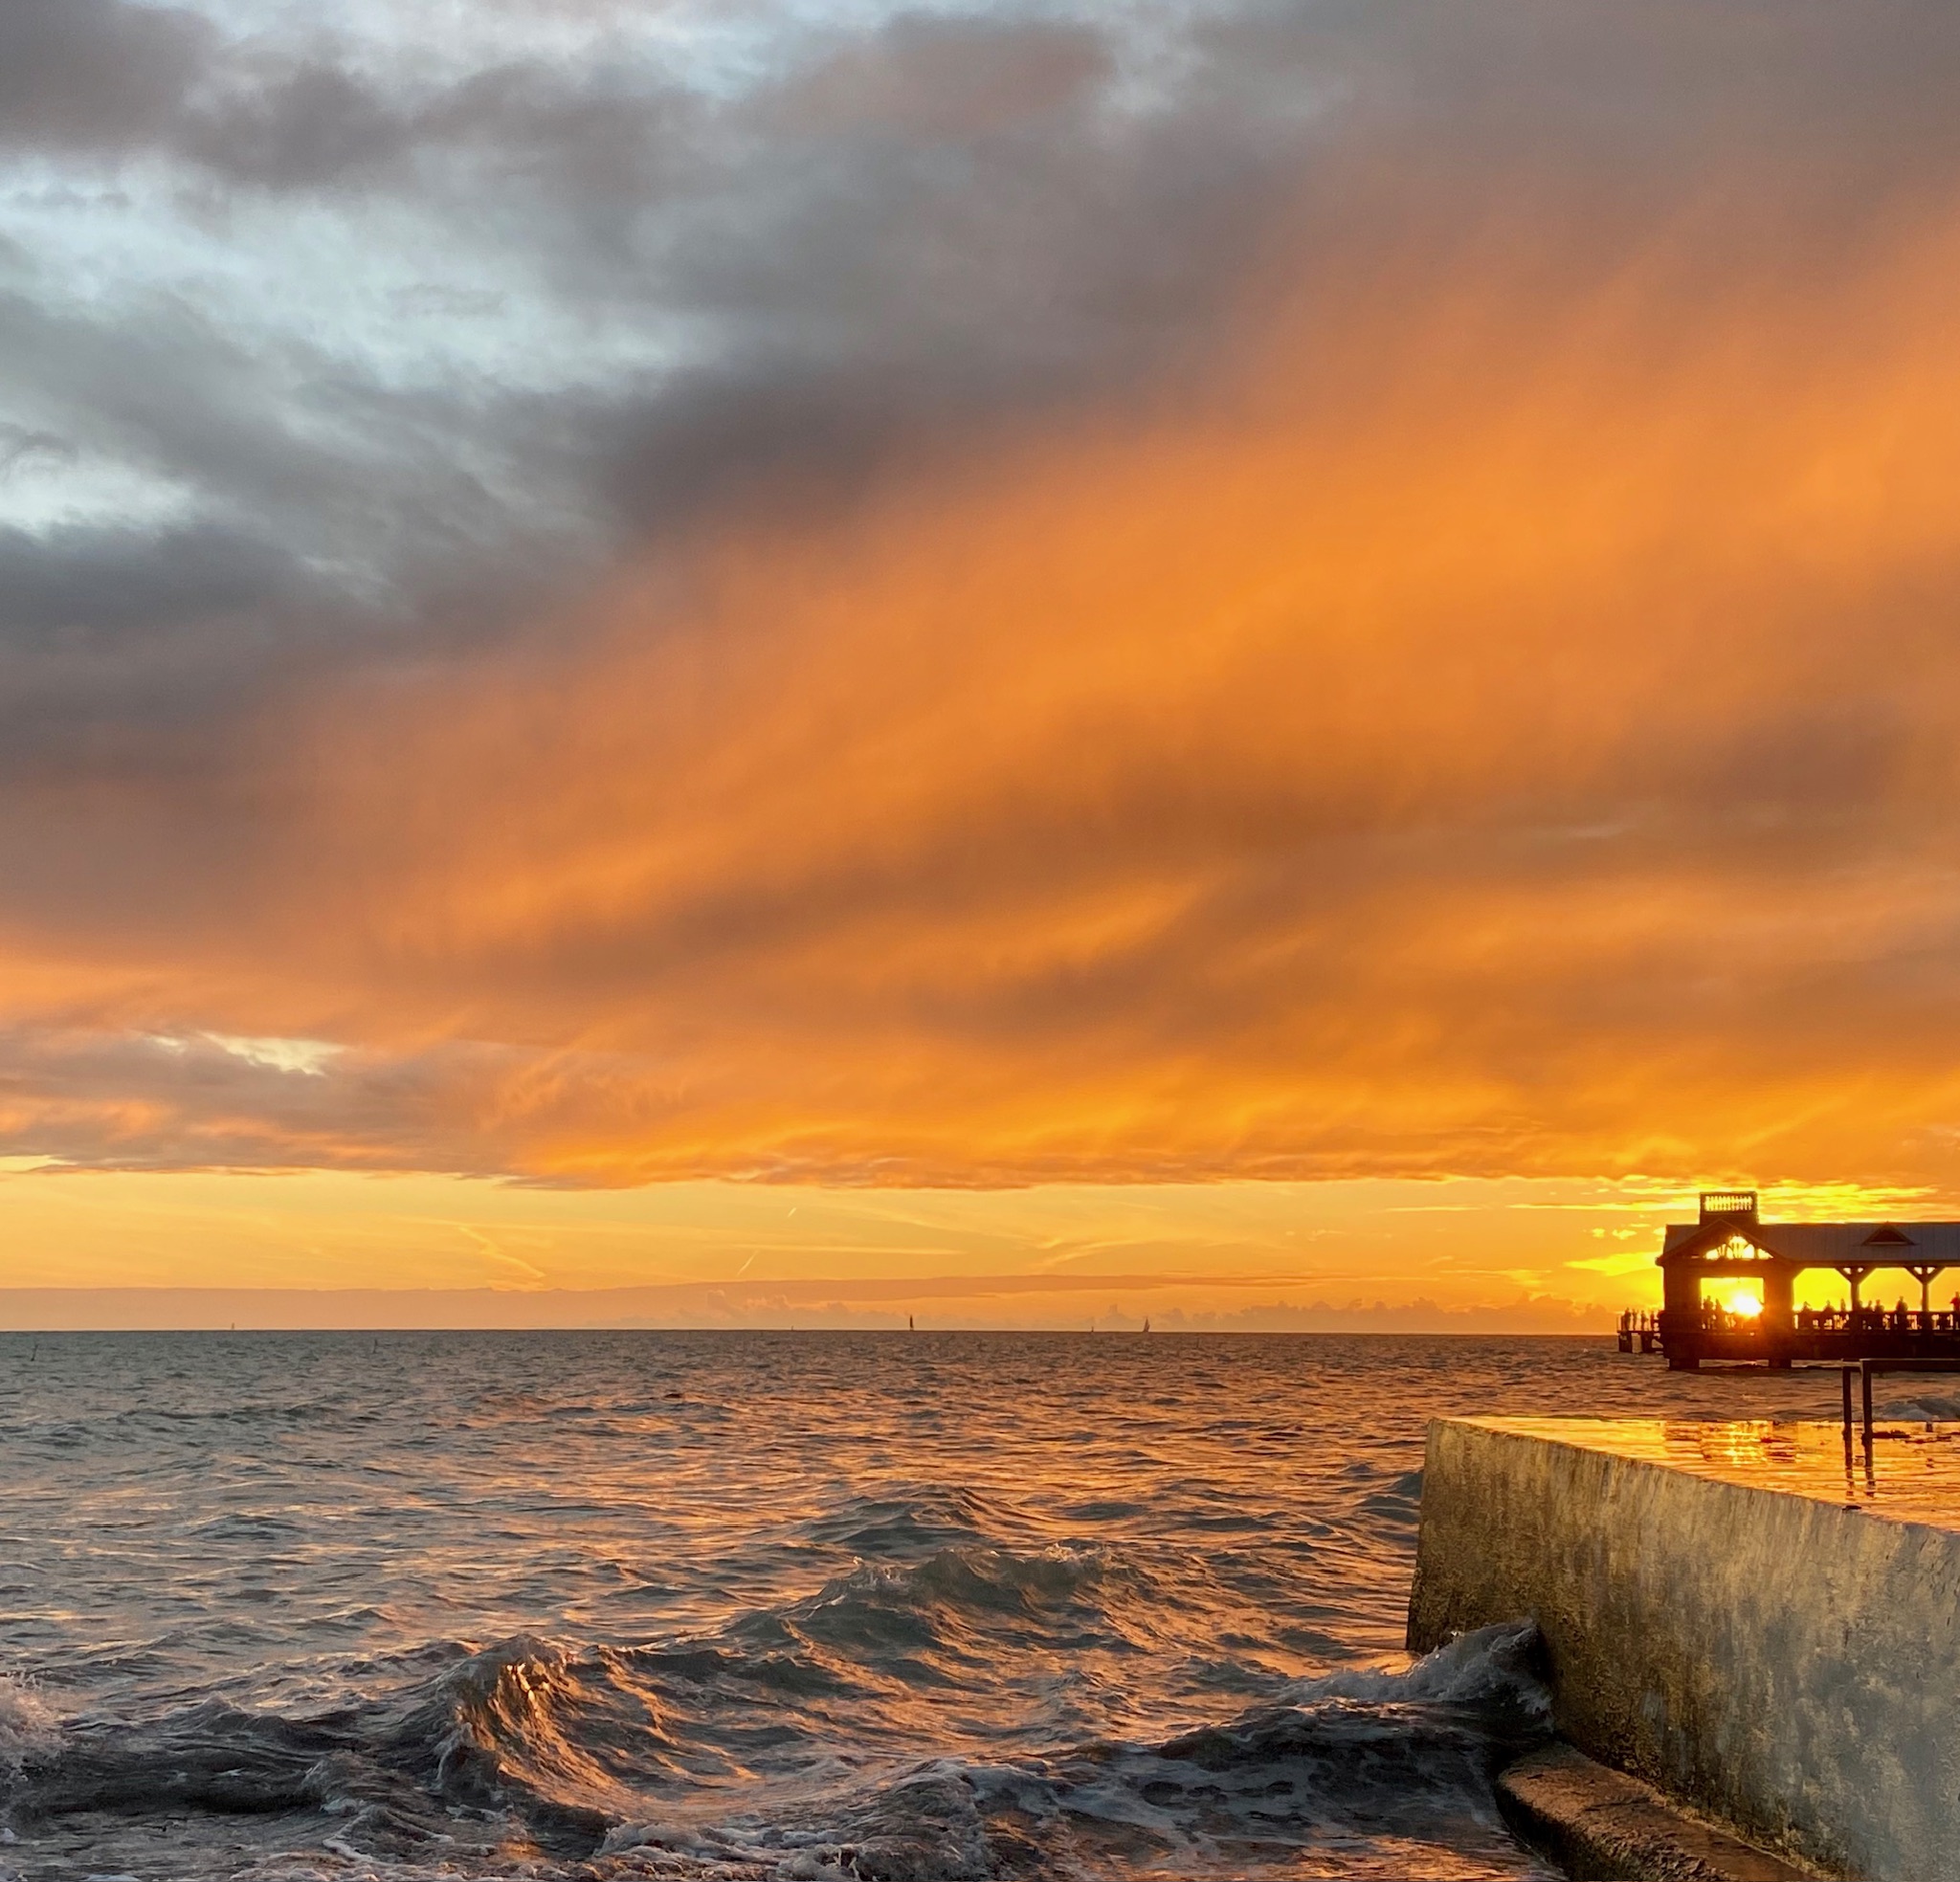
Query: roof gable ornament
point(1736, 1248)
point(1888, 1235)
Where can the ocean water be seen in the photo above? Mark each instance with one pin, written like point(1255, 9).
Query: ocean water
point(907, 1607)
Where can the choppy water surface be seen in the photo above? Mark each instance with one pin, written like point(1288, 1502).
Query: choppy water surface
point(732, 1606)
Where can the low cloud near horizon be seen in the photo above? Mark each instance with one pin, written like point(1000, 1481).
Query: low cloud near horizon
point(981, 595)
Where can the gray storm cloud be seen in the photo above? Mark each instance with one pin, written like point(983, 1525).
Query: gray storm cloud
point(313, 359)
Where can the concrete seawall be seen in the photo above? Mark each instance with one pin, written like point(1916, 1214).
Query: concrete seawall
point(1728, 1612)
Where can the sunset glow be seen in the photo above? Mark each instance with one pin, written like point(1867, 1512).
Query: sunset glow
point(1739, 1298)
point(686, 651)
point(953, 938)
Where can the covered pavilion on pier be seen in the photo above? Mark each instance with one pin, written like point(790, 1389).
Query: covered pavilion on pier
point(1731, 1243)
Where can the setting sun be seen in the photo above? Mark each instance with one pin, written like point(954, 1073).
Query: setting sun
point(1741, 1298)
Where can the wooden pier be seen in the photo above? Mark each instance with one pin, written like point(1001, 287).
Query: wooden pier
point(1640, 1331)
point(1731, 1243)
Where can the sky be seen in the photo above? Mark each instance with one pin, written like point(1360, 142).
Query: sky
point(1260, 663)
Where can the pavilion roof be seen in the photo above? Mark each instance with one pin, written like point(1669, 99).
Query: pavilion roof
point(1825, 1244)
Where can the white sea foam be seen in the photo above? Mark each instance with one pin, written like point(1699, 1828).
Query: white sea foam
point(1493, 1664)
point(30, 1727)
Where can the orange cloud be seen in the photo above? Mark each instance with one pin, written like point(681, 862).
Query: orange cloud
point(1489, 708)
point(1503, 721)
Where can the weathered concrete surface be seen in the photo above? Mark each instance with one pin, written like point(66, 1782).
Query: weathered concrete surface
point(1606, 1827)
point(1786, 1663)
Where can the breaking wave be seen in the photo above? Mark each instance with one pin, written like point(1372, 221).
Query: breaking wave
point(631, 1761)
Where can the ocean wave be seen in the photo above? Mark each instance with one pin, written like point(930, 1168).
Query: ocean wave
point(574, 1756)
point(1356, 1766)
point(570, 1736)
point(954, 1618)
point(1399, 1499)
point(908, 1520)
point(1921, 1408)
point(980, 1583)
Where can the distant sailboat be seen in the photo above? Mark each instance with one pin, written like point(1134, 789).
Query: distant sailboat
point(1147, 1326)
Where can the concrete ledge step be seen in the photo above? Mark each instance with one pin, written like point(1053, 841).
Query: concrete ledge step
point(1601, 1823)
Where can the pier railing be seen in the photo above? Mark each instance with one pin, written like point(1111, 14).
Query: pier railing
point(1833, 1334)
point(1710, 1317)
point(1875, 1319)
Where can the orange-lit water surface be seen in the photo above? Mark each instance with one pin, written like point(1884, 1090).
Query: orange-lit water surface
point(924, 1609)
point(1910, 1472)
